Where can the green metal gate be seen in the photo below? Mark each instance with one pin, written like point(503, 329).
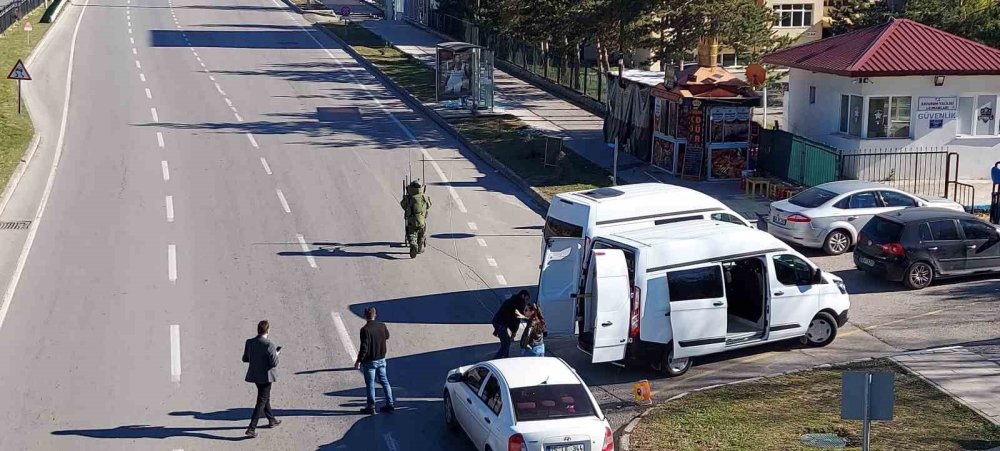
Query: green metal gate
point(796, 159)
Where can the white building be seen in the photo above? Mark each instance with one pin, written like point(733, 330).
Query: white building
point(899, 86)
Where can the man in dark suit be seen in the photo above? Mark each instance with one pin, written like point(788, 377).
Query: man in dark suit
point(262, 355)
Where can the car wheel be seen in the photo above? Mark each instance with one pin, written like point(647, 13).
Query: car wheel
point(918, 276)
point(670, 366)
point(837, 242)
point(449, 413)
point(822, 330)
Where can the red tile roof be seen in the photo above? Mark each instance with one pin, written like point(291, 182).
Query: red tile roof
point(898, 47)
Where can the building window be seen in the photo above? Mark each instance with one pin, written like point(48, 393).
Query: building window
point(977, 115)
point(889, 117)
point(850, 114)
point(796, 15)
point(812, 95)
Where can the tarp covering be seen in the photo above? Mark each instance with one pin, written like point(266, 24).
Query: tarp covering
point(629, 116)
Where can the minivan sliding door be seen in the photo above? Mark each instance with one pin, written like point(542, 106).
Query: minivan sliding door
point(698, 309)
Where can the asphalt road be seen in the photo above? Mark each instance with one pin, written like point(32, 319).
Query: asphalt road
point(224, 164)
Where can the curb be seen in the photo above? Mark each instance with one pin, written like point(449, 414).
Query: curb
point(540, 202)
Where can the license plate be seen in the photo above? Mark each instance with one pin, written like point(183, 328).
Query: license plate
point(866, 261)
point(573, 447)
point(778, 220)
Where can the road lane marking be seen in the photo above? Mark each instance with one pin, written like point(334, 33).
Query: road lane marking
point(228, 102)
point(166, 171)
point(156, 117)
point(284, 203)
point(345, 338)
point(198, 58)
point(267, 168)
point(172, 263)
point(159, 139)
point(129, 31)
point(22, 258)
point(134, 52)
point(234, 109)
point(170, 208)
point(131, 41)
point(219, 88)
point(149, 94)
point(238, 117)
point(390, 442)
point(482, 242)
point(473, 227)
point(138, 65)
point(175, 353)
point(253, 142)
point(305, 250)
point(202, 64)
point(211, 78)
point(142, 77)
point(492, 262)
point(130, 23)
point(195, 53)
point(501, 280)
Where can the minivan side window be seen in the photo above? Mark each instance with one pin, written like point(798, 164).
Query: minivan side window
point(491, 395)
point(726, 217)
point(698, 283)
point(791, 270)
point(561, 229)
point(944, 230)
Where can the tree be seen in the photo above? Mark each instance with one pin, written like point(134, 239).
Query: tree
point(978, 20)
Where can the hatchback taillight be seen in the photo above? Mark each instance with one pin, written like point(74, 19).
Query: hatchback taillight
point(609, 440)
point(798, 218)
point(516, 443)
point(633, 326)
point(894, 249)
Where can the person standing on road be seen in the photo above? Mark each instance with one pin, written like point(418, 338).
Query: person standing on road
point(507, 320)
point(262, 355)
point(371, 361)
point(415, 205)
point(532, 339)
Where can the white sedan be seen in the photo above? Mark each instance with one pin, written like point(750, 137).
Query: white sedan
point(525, 404)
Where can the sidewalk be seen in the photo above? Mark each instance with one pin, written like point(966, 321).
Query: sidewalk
point(970, 378)
point(543, 111)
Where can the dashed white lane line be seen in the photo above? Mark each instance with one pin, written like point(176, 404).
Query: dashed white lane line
point(170, 208)
point(175, 353)
point(238, 117)
point(172, 262)
point(284, 203)
point(138, 65)
point(253, 142)
point(211, 78)
point(134, 51)
point(501, 280)
point(390, 441)
point(159, 139)
point(130, 24)
point(473, 227)
point(345, 338)
point(482, 242)
point(142, 77)
point(156, 117)
point(492, 262)
point(149, 94)
point(228, 102)
point(219, 88)
point(198, 58)
point(202, 64)
point(166, 171)
point(305, 250)
point(234, 109)
point(195, 52)
point(267, 168)
point(131, 41)
point(129, 31)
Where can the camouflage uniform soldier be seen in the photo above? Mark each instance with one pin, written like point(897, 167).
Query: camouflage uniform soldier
point(415, 205)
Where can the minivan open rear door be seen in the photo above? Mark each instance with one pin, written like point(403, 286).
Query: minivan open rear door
point(611, 305)
point(558, 284)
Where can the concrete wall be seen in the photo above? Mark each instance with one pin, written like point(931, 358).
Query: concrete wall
point(820, 121)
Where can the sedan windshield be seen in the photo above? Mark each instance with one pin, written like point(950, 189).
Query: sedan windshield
point(812, 197)
point(547, 402)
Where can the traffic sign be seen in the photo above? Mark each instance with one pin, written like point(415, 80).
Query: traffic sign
point(345, 11)
point(27, 26)
point(19, 72)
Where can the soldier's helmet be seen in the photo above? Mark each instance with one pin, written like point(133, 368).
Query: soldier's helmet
point(414, 187)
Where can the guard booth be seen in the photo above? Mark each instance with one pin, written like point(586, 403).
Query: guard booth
point(464, 76)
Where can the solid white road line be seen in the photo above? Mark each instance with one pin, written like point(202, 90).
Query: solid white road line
point(473, 227)
point(284, 203)
point(305, 250)
point(149, 94)
point(166, 171)
point(501, 280)
point(234, 109)
point(228, 102)
point(482, 242)
point(138, 65)
point(491, 261)
point(170, 208)
point(156, 117)
point(142, 77)
point(172, 263)
point(345, 338)
point(238, 117)
point(267, 168)
point(253, 142)
point(22, 259)
point(159, 139)
point(175, 353)
point(390, 441)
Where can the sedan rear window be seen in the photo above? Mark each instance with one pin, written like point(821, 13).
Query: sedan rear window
point(882, 230)
point(548, 402)
point(812, 197)
point(561, 229)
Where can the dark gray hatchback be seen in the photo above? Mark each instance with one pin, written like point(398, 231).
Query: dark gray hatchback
point(917, 245)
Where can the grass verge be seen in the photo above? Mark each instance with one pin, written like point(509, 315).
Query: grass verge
point(15, 129)
point(505, 137)
point(773, 413)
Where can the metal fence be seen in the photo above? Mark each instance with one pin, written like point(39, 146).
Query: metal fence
point(14, 11)
point(796, 159)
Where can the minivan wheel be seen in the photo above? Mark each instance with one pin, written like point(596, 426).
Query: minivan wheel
point(670, 366)
point(837, 242)
point(449, 413)
point(918, 276)
point(822, 330)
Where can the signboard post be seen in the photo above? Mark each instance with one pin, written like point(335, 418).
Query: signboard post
point(867, 396)
point(27, 30)
point(19, 73)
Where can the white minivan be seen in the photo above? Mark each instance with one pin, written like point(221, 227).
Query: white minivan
point(664, 294)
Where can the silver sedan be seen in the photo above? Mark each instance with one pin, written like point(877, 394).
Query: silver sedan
point(829, 216)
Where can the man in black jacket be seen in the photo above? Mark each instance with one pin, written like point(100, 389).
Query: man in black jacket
point(371, 361)
point(262, 355)
point(507, 320)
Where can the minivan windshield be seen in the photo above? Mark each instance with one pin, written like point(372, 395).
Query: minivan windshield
point(881, 230)
point(812, 197)
point(547, 402)
point(561, 229)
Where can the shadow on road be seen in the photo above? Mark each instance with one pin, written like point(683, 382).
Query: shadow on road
point(459, 307)
point(418, 423)
point(138, 431)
